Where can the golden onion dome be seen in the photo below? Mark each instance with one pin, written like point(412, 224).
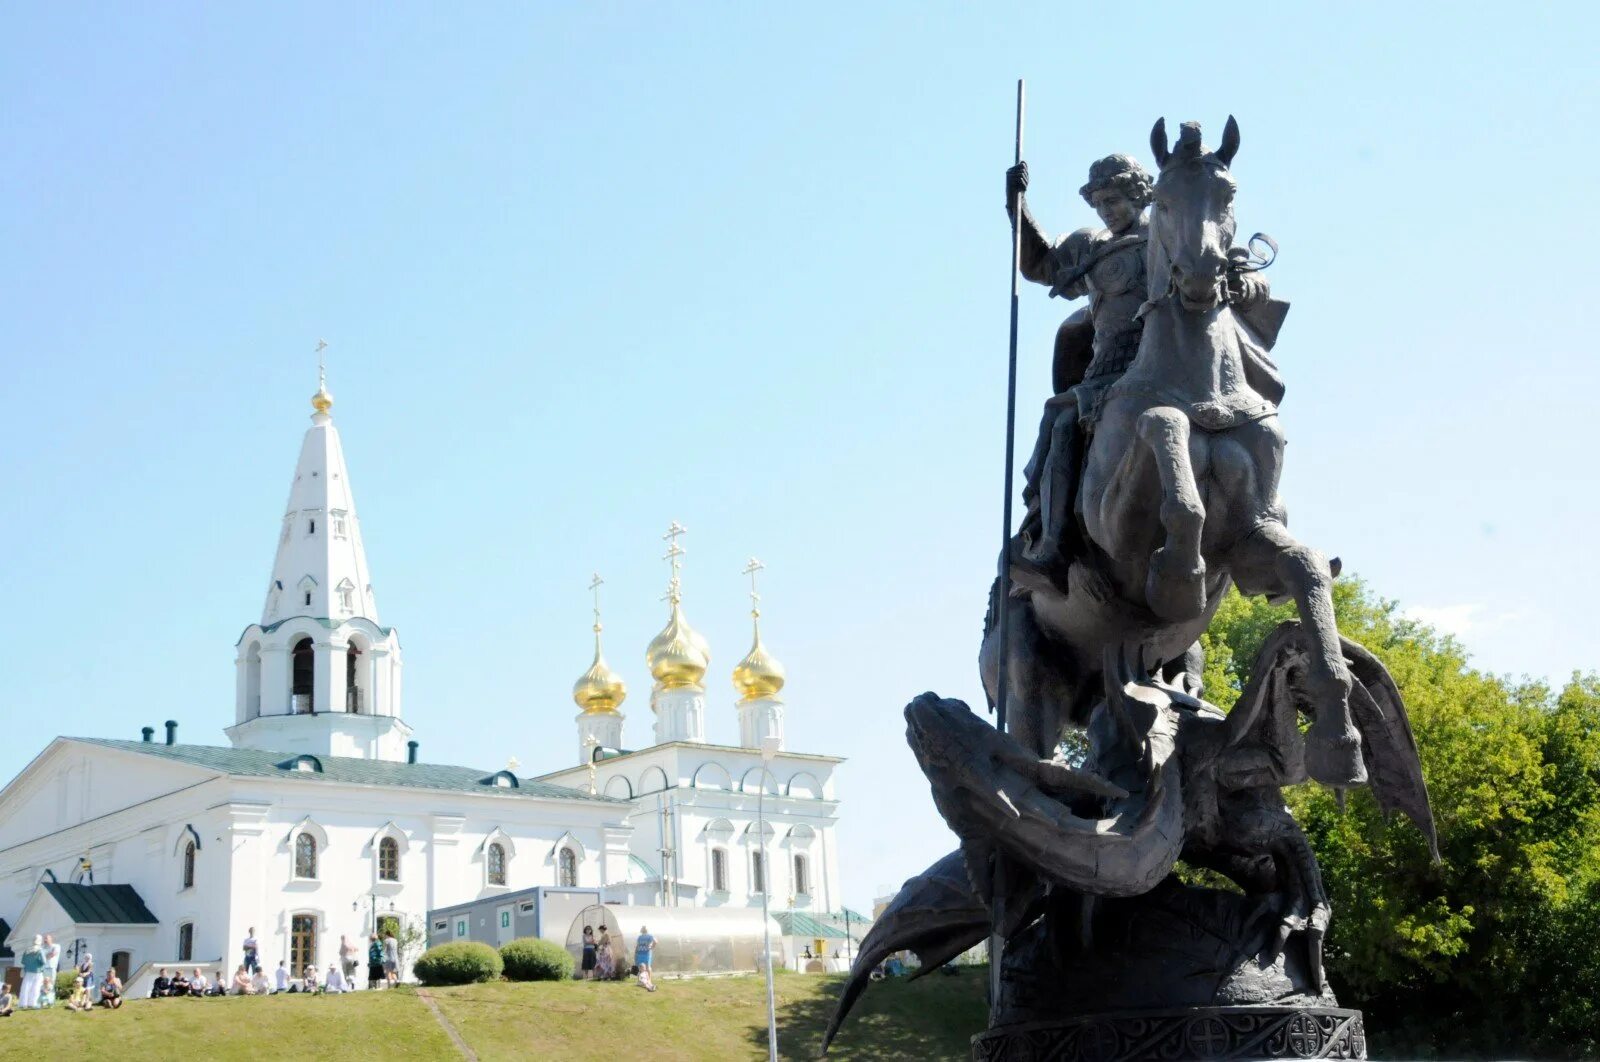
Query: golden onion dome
point(678, 657)
point(759, 674)
point(322, 401)
point(599, 691)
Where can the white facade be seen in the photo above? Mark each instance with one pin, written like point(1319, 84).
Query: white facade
point(133, 809)
point(695, 805)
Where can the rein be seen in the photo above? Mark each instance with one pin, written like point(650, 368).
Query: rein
point(1247, 259)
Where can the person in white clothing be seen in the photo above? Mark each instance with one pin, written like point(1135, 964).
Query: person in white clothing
point(52, 962)
point(281, 977)
point(335, 981)
point(260, 985)
point(32, 973)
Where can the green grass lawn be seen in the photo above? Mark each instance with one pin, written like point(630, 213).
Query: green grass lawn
point(721, 1018)
point(716, 1018)
point(322, 1028)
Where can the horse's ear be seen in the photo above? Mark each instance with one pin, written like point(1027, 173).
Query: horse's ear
point(1158, 142)
point(1230, 142)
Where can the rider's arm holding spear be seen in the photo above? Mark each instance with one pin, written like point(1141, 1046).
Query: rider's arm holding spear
point(1036, 255)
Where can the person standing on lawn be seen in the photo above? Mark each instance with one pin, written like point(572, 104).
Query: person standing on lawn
point(391, 958)
point(252, 951)
point(374, 961)
point(52, 962)
point(644, 950)
point(32, 973)
point(348, 961)
point(588, 953)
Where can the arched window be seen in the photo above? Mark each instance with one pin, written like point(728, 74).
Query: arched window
point(496, 859)
point(758, 873)
point(567, 868)
point(305, 855)
point(186, 942)
point(303, 676)
point(188, 865)
point(802, 875)
point(719, 870)
point(388, 859)
point(352, 680)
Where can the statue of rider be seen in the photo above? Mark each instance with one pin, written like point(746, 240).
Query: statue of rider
point(1093, 347)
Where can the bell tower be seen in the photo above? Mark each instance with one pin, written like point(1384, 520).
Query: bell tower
point(319, 673)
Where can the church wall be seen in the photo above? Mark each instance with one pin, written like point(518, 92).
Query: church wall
point(443, 856)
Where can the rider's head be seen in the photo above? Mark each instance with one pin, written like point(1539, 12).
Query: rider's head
point(1119, 189)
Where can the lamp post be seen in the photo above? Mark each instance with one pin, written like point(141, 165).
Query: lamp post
point(769, 749)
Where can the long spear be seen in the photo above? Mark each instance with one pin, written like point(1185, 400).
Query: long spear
point(1002, 694)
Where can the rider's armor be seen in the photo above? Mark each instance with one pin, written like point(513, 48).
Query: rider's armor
point(1110, 270)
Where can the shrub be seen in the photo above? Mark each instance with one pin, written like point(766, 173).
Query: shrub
point(535, 959)
point(66, 980)
point(461, 962)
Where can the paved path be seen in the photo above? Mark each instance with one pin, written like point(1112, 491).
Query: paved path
point(461, 1045)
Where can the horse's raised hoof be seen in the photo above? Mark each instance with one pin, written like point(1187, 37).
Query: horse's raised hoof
point(1175, 591)
point(1335, 761)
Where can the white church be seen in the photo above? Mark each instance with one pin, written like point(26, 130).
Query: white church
point(318, 818)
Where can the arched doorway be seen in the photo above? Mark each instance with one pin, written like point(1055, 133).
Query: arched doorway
point(303, 677)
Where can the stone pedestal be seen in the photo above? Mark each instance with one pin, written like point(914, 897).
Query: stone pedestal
point(1215, 1034)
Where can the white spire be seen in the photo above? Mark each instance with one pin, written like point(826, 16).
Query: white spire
point(319, 544)
point(319, 674)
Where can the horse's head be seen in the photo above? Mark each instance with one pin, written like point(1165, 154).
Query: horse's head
point(1192, 224)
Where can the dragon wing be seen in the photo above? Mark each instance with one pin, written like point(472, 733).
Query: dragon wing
point(1277, 689)
point(936, 914)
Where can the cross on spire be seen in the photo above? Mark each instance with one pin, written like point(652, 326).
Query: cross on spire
point(322, 368)
point(752, 567)
point(674, 557)
point(594, 587)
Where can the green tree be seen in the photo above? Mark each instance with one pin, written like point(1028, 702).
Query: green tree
point(1492, 950)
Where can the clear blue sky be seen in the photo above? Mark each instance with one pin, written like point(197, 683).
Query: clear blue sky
point(586, 269)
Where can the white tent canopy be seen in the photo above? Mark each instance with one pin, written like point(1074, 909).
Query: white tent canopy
point(689, 940)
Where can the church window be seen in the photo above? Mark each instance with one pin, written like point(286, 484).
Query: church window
point(461, 927)
point(758, 873)
point(496, 860)
point(388, 859)
point(311, 526)
point(567, 868)
point(188, 865)
point(303, 673)
point(719, 870)
point(347, 596)
point(341, 526)
point(308, 599)
point(302, 942)
point(305, 856)
point(802, 879)
point(186, 942)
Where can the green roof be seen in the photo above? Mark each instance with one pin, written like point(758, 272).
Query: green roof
point(258, 763)
point(800, 924)
point(100, 904)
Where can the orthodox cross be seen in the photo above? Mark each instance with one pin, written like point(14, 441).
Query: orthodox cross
point(751, 568)
point(674, 556)
point(594, 587)
point(322, 369)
